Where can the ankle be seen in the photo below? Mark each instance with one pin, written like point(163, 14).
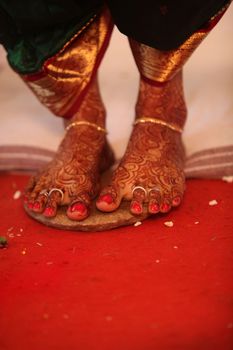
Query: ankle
point(92, 108)
point(162, 101)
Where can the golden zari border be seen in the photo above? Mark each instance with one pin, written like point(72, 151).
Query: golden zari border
point(65, 77)
point(161, 66)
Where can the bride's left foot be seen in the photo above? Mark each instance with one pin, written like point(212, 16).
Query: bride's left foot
point(154, 159)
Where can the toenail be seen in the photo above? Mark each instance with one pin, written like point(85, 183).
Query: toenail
point(49, 211)
point(107, 198)
point(165, 207)
point(154, 208)
point(36, 205)
point(30, 205)
point(136, 207)
point(176, 201)
point(78, 207)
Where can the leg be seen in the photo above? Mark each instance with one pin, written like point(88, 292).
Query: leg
point(155, 155)
point(68, 86)
point(151, 170)
point(82, 155)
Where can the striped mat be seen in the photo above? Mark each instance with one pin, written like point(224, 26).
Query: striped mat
point(212, 163)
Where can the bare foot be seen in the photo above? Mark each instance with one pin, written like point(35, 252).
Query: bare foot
point(82, 155)
point(154, 158)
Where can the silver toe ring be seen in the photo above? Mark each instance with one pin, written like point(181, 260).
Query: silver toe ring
point(57, 190)
point(44, 193)
point(139, 188)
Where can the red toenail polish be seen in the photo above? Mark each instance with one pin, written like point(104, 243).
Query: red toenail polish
point(154, 208)
point(165, 207)
point(30, 205)
point(176, 201)
point(49, 211)
point(107, 198)
point(78, 207)
point(136, 207)
point(36, 205)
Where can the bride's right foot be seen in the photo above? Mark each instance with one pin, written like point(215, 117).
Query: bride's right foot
point(82, 155)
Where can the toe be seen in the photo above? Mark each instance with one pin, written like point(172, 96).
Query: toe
point(154, 195)
point(139, 196)
point(176, 201)
point(165, 205)
point(109, 199)
point(40, 203)
point(176, 196)
point(31, 198)
point(79, 209)
point(136, 207)
point(50, 210)
point(53, 201)
point(153, 207)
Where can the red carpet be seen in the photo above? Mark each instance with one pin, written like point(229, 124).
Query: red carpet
point(149, 287)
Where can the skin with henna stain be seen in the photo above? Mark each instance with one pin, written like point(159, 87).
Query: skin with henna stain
point(154, 158)
point(82, 155)
point(150, 173)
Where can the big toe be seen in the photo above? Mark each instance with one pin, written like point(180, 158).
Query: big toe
point(109, 199)
point(78, 211)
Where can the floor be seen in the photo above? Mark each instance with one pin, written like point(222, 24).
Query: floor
point(134, 288)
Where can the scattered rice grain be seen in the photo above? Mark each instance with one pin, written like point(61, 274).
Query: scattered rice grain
point(228, 179)
point(213, 202)
point(169, 223)
point(138, 223)
point(17, 194)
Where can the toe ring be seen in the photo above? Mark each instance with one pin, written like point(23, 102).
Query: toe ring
point(44, 193)
point(156, 189)
point(57, 190)
point(139, 188)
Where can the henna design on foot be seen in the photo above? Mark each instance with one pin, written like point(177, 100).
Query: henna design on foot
point(75, 170)
point(154, 158)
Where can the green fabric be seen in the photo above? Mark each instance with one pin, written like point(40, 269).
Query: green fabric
point(32, 31)
point(30, 52)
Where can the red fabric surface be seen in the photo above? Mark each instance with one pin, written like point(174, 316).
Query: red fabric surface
point(147, 287)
